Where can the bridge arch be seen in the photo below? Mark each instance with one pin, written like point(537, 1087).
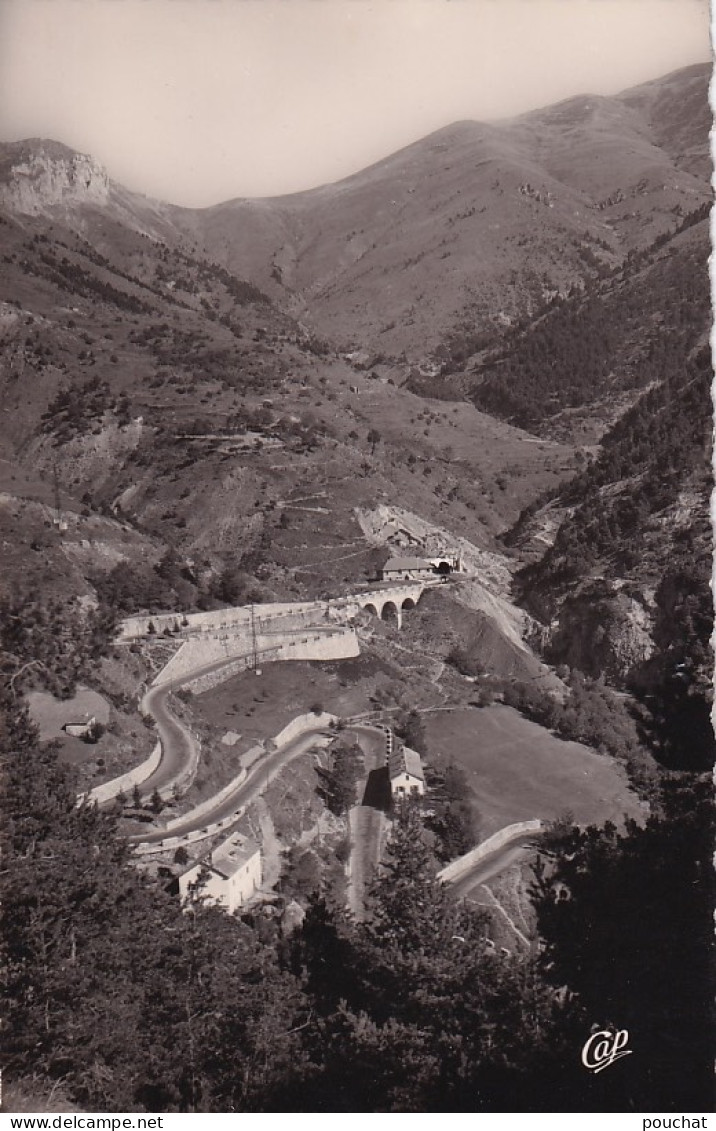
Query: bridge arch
point(390, 603)
point(390, 611)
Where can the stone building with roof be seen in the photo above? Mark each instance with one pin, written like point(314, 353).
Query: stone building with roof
point(410, 568)
point(81, 729)
point(405, 769)
point(406, 569)
point(232, 873)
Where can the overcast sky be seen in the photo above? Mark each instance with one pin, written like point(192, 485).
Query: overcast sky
point(197, 101)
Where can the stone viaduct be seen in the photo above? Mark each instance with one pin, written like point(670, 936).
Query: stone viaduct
point(387, 602)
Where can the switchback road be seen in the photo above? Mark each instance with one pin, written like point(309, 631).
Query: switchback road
point(179, 747)
point(180, 750)
point(256, 781)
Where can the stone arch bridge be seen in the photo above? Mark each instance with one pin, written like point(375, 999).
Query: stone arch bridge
point(390, 601)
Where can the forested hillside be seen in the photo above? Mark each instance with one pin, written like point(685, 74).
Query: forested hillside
point(657, 451)
point(625, 585)
point(238, 1014)
point(631, 329)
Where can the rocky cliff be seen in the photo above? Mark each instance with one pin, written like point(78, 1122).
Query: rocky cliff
point(603, 630)
point(38, 176)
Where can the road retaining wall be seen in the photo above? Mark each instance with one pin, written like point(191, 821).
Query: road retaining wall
point(212, 679)
point(457, 868)
point(301, 724)
point(200, 651)
point(185, 839)
point(237, 618)
point(125, 783)
point(211, 802)
point(297, 727)
point(216, 620)
point(327, 644)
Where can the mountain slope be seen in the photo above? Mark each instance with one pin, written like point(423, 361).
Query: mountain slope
point(162, 389)
point(154, 400)
point(588, 353)
point(471, 228)
point(624, 588)
point(479, 223)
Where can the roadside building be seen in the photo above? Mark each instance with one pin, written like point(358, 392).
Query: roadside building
point(232, 873)
point(405, 768)
point(406, 569)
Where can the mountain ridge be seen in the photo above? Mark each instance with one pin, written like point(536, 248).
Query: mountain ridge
point(595, 177)
point(180, 397)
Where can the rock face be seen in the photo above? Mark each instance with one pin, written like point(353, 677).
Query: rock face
point(39, 176)
point(602, 630)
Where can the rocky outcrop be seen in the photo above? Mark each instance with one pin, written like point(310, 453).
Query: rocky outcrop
point(603, 630)
point(41, 176)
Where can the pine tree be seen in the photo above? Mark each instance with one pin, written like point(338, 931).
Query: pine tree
point(434, 1019)
point(627, 927)
point(107, 985)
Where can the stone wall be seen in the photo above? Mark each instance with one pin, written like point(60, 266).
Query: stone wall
point(125, 783)
point(302, 724)
point(217, 620)
point(329, 643)
point(457, 868)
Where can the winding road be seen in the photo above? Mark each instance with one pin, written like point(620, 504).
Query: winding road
point(513, 850)
point(180, 749)
point(255, 782)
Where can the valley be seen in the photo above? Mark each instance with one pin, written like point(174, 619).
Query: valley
point(236, 442)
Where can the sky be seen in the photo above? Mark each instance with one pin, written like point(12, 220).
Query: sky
point(199, 101)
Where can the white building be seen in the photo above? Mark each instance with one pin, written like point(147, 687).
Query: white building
point(406, 569)
point(405, 768)
point(232, 871)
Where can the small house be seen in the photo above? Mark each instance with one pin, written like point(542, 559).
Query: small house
point(405, 768)
point(231, 872)
point(80, 730)
point(230, 738)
